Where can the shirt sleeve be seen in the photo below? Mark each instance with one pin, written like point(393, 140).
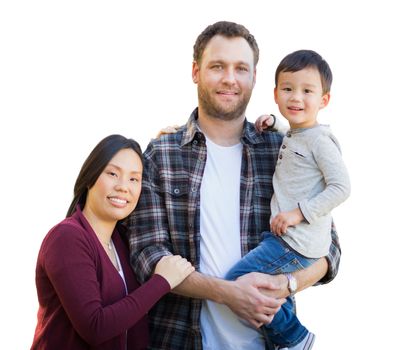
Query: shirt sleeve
point(70, 264)
point(328, 157)
point(148, 225)
point(333, 258)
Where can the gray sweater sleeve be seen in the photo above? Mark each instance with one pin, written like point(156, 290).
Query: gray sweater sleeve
point(327, 154)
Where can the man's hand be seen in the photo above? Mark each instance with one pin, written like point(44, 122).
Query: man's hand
point(247, 301)
point(282, 221)
point(168, 130)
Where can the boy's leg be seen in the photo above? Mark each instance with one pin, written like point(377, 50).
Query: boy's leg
point(272, 256)
point(285, 329)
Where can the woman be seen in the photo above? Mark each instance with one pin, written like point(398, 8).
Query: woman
point(88, 295)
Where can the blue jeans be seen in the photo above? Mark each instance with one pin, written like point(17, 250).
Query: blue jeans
point(273, 256)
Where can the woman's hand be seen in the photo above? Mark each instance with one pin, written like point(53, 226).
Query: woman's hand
point(174, 269)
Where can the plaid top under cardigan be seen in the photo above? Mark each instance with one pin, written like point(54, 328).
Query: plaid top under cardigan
point(167, 218)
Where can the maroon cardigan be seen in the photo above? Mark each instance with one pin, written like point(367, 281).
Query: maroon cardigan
point(82, 299)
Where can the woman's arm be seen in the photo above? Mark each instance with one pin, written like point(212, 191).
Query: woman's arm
point(70, 264)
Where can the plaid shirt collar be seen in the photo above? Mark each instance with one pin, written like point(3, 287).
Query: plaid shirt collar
point(249, 135)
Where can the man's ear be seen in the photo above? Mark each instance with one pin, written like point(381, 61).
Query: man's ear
point(254, 76)
point(195, 72)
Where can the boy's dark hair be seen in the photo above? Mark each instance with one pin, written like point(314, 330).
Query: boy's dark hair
point(228, 30)
point(301, 59)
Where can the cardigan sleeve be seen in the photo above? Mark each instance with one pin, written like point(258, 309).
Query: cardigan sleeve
point(70, 264)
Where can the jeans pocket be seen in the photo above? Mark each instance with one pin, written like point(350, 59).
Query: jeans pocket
point(290, 265)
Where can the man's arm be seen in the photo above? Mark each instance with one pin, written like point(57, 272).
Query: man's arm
point(323, 271)
point(148, 225)
point(243, 296)
point(150, 240)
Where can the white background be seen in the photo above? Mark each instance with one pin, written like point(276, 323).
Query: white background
point(73, 72)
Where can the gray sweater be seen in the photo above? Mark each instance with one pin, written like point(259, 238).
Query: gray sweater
point(310, 174)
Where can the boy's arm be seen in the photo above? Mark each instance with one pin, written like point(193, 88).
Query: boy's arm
point(327, 155)
point(269, 122)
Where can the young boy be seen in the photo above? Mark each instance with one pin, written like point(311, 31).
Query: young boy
point(310, 180)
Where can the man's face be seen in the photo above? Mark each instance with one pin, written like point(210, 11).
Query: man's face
point(225, 77)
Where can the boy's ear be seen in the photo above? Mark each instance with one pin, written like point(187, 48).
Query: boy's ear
point(325, 100)
point(276, 95)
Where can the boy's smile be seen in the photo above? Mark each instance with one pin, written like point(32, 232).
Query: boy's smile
point(299, 97)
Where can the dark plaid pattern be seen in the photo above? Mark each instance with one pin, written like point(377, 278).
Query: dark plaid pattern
point(167, 218)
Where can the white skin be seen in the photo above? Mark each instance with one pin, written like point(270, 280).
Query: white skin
point(225, 77)
point(225, 80)
point(299, 96)
point(113, 197)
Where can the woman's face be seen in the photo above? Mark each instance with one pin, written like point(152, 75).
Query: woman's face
point(115, 194)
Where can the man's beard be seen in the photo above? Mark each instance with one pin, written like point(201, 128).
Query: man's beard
point(220, 111)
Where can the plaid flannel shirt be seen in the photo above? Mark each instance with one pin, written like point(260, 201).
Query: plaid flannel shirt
point(167, 218)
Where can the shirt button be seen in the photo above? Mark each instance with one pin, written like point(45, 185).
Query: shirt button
point(283, 146)
point(176, 191)
point(289, 134)
point(280, 156)
point(202, 157)
point(193, 189)
point(195, 142)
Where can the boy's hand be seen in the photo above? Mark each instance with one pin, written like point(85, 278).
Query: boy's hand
point(282, 221)
point(168, 130)
point(264, 122)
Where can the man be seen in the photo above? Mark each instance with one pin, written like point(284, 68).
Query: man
point(206, 195)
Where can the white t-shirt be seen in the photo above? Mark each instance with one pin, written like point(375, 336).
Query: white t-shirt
point(220, 246)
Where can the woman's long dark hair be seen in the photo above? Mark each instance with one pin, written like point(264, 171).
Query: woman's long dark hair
point(96, 162)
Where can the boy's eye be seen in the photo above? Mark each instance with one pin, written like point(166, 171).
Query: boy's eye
point(287, 89)
point(307, 91)
point(111, 173)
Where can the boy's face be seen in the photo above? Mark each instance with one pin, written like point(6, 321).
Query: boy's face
point(299, 97)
